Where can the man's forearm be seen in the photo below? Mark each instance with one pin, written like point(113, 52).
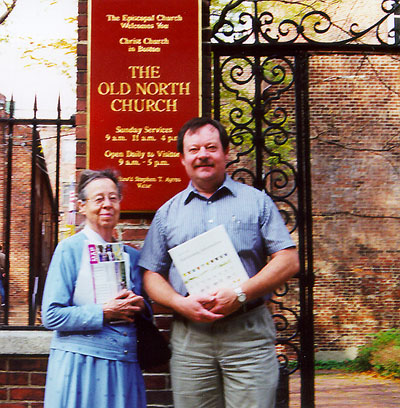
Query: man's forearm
point(159, 289)
point(282, 266)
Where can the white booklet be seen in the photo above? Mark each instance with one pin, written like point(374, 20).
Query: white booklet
point(108, 266)
point(208, 262)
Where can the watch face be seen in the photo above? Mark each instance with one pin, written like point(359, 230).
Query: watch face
point(241, 295)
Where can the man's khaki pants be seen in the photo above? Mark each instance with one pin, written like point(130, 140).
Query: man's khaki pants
point(226, 364)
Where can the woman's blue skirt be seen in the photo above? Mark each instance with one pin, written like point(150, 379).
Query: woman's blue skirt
point(79, 381)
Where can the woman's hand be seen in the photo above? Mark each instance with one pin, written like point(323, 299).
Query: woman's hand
point(123, 307)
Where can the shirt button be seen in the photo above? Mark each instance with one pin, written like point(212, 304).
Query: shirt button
point(210, 221)
point(125, 351)
point(125, 334)
point(209, 202)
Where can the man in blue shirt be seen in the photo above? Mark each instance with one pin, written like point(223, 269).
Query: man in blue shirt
point(223, 343)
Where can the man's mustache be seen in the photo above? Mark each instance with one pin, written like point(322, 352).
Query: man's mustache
point(203, 163)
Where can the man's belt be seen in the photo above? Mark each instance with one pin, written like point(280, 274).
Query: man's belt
point(247, 307)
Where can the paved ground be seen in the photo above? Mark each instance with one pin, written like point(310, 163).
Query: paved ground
point(335, 389)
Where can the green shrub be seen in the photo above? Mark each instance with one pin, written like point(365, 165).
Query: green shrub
point(326, 365)
point(381, 354)
point(332, 365)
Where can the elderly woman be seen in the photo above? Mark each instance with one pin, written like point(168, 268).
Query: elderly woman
point(93, 357)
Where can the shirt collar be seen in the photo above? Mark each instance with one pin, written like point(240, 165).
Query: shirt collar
point(93, 235)
point(227, 187)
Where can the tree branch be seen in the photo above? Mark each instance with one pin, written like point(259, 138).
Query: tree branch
point(354, 214)
point(386, 148)
point(9, 9)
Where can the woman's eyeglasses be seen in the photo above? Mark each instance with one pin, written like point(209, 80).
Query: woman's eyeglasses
point(100, 199)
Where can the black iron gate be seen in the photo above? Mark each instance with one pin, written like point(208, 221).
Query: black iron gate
point(37, 262)
point(260, 93)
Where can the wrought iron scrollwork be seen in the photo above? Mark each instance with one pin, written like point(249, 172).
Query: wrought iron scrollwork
point(247, 22)
point(253, 88)
point(286, 323)
point(257, 106)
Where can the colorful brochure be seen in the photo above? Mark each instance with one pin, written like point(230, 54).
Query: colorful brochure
point(108, 270)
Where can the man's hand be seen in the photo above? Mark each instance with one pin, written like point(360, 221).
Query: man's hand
point(226, 301)
point(123, 307)
point(195, 308)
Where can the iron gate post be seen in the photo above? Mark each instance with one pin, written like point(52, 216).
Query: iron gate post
point(306, 322)
point(282, 392)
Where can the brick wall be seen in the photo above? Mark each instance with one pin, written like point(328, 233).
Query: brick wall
point(23, 364)
point(23, 378)
point(355, 124)
point(158, 381)
point(22, 381)
point(19, 237)
point(3, 159)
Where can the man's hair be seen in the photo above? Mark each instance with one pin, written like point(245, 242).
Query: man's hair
point(196, 123)
point(87, 176)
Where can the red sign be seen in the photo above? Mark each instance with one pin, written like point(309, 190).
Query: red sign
point(144, 83)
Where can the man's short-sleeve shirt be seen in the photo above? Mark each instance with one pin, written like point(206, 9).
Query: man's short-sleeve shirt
point(250, 217)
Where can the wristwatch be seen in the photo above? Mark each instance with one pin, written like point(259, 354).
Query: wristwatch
point(240, 295)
